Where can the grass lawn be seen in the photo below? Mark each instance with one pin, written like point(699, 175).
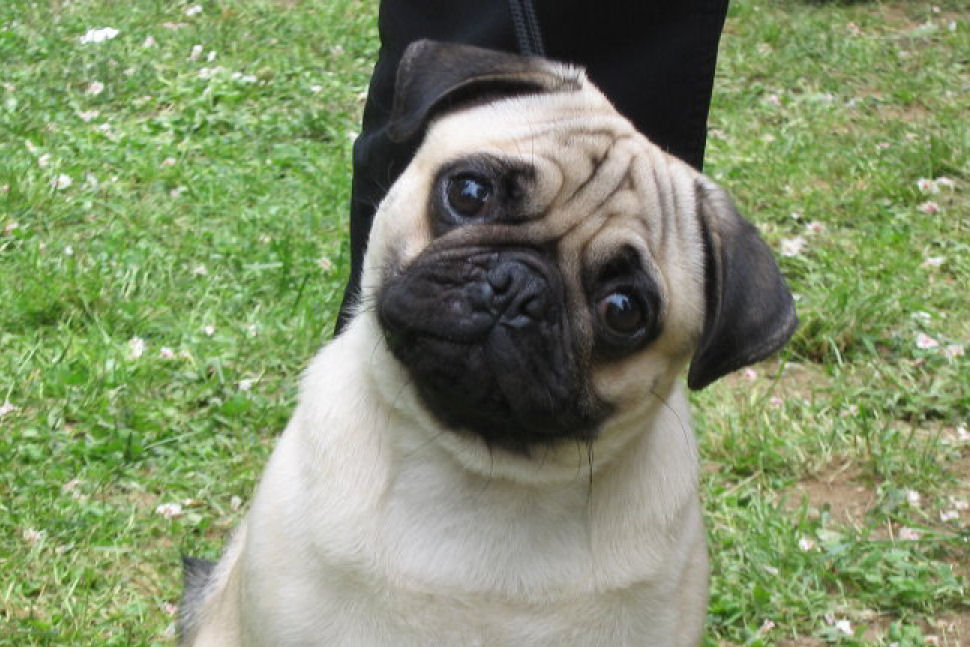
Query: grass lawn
point(172, 251)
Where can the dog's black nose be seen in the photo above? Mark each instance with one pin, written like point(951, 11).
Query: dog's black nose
point(520, 294)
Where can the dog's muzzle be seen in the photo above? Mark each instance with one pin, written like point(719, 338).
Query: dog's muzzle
point(485, 336)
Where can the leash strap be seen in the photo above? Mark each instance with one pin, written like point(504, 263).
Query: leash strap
point(526, 26)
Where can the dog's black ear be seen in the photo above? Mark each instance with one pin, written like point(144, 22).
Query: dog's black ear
point(434, 77)
point(749, 312)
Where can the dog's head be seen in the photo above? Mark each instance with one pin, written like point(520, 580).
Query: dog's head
point(540, 267)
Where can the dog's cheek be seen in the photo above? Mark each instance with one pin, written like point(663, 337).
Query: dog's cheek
point(401, 227)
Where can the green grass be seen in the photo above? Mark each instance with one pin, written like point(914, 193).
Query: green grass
point(206, 216)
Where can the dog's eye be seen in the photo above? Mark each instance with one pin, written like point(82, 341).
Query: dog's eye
point(621, 313)
point(468, 194)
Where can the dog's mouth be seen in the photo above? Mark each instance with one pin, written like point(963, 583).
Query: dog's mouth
point(485, 337)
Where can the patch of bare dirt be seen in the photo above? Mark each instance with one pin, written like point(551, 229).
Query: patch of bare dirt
point(836, 489)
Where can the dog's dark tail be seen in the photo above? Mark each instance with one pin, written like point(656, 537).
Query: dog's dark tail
point(196, 574)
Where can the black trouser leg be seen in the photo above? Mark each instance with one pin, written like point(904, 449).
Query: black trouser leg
point(653, 59)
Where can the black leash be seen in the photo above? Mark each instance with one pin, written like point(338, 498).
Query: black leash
point(526, 26)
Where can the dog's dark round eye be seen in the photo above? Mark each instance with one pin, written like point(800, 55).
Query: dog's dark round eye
point(621, 313)
point(468, 194)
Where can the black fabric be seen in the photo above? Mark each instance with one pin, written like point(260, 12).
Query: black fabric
point(654, 60)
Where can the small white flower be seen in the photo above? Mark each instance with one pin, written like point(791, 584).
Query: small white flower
point(98, 35)
point(136, 347)
point(32, 536)
point(169, 510)
point(194, 10)
point(921, 316)
point(953, 351)
point(944, 182)
point(199, 270)
point(166, 353)
point(68, 250)
point(61, 182)
point(913, 498)
point(170, 609)
point(910, 534)
point(10, 227)
point(775, 401)
point(252, 329)
point(209, 72)
point(149, 41)
point(815, 227)
point(774, 100)
point(806, 544)
point(212, 56)
point(44, 160)
point(949, 515)
point(168, 161)
point(771, 570)
point(244, 78)
point(94, 88)
point(316, 88)
point(6, 408)
point(324, 263)
point(209, 330)
point(844, 627)
point(195, 53)
point(768, 138)
point(235, 503)
point(926, 185)
point(749, 373)
point(854, 29)
point(929, 207)
point(792, 246)
point(962, 434)
point(71, 485)
point(247, 384)
point(177, 191)
point(4, 189)
point(934, 261)
point(766, 626)
point(925, 342)
point(88, 115)
point(960, 505)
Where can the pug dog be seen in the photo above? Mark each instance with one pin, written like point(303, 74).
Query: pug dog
point(497, 449)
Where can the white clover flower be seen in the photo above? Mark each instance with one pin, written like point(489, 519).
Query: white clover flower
point(929, 207)
point(166, 353)
point(195, 53)
point(247, 383)
point(44, 160)
point(169, 510)
point(149, 41)
point(136, 347)
point(949, 515)
point(61, 182)
point(934, 261)
point(194, 10)
point(815, 227)
point(235, 503)
point(212, 56)
point(98, 35)
point(94, 88)
point(168, 161)
point(791, 247)
point(806, 544)
point(6, 408)
point(910, 534)
point(926, 185)
point(843, 627)
point(88, 115)
point(199, 270)
point(913, 498)
point(953, 351)
point(32, 536)
point(209, 330)
point(925, 342)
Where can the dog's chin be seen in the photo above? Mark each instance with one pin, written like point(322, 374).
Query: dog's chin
point(510, 379)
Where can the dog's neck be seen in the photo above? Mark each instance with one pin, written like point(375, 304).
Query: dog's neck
point(432, 488)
